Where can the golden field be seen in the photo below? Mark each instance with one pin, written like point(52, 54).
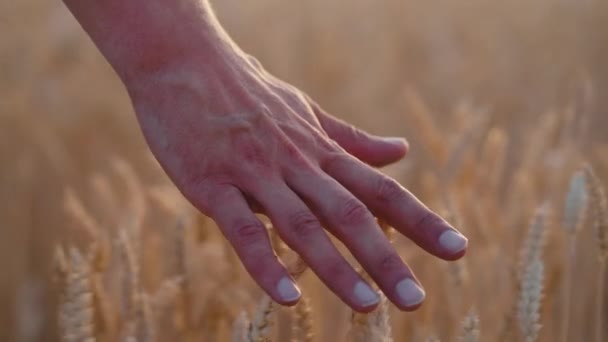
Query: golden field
point(501, 102)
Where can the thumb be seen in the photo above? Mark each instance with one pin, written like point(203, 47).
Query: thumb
point(371, 149)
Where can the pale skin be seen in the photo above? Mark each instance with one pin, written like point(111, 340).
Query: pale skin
point(236, 140)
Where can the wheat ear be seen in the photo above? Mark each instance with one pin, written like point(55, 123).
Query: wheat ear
point(76, 307)
point(531, 276)
point(302, 325)
point(240, 328)
point(261, 326)
point(535, 238)
point(470, 328)
point(530, 296)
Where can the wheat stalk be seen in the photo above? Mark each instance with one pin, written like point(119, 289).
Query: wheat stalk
point(598, 206)
point(574, 214)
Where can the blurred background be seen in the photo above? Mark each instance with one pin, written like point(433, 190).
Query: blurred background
point(64, 115)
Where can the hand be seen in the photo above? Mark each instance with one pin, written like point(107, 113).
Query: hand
point(232, 138)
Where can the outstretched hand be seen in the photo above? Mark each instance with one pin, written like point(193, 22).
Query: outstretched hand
point(236, 140)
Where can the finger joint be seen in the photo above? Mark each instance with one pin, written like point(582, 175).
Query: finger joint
point(388, 190)
point(303, 224)
point(353, 212)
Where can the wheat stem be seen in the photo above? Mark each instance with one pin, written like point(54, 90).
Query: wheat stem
point(599, 315)
point(567, 290)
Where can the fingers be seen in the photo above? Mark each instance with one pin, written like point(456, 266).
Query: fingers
point(402, 210)
point(354, 225)
point(301, 230)
point(373, 150)
point(249, 238)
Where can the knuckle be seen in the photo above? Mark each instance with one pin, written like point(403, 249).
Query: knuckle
point(246, 233)
point(337, 269)
point(198, 187)
point(425, 219)
point(389, 262)
point(352, 211)
point(254, 153)
point(259, 262)
point(354, 132)
point(335, 160)
point(388, 190)
point(303, 224)
point(295, 156)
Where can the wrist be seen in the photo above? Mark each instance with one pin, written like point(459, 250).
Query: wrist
point(143, 37)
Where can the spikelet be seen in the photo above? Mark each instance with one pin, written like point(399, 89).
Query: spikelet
point(302, 324)
point(76, 307)
point(240, 328)
point(598, 207)
point(576, 203)
point(530, 296)
point(470, 328)
point(260, 329)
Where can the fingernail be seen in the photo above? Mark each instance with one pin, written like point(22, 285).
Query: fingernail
point(453, 241)
point(410, 293)
point(288, 290)
point(395, 140)
point(365, 294)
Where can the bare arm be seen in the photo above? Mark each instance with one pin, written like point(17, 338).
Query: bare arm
point(235, 139)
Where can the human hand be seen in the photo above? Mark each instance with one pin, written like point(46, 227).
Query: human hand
point(232, 138)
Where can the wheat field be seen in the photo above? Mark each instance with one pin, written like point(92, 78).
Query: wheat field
point(503, 105)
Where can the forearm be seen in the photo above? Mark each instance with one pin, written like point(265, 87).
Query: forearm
point(143, 36)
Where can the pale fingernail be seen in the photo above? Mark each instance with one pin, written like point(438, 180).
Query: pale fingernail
point(288, 290)
point(410, 293)
point(395, 140)
point(365, 294)
point(453, 241)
